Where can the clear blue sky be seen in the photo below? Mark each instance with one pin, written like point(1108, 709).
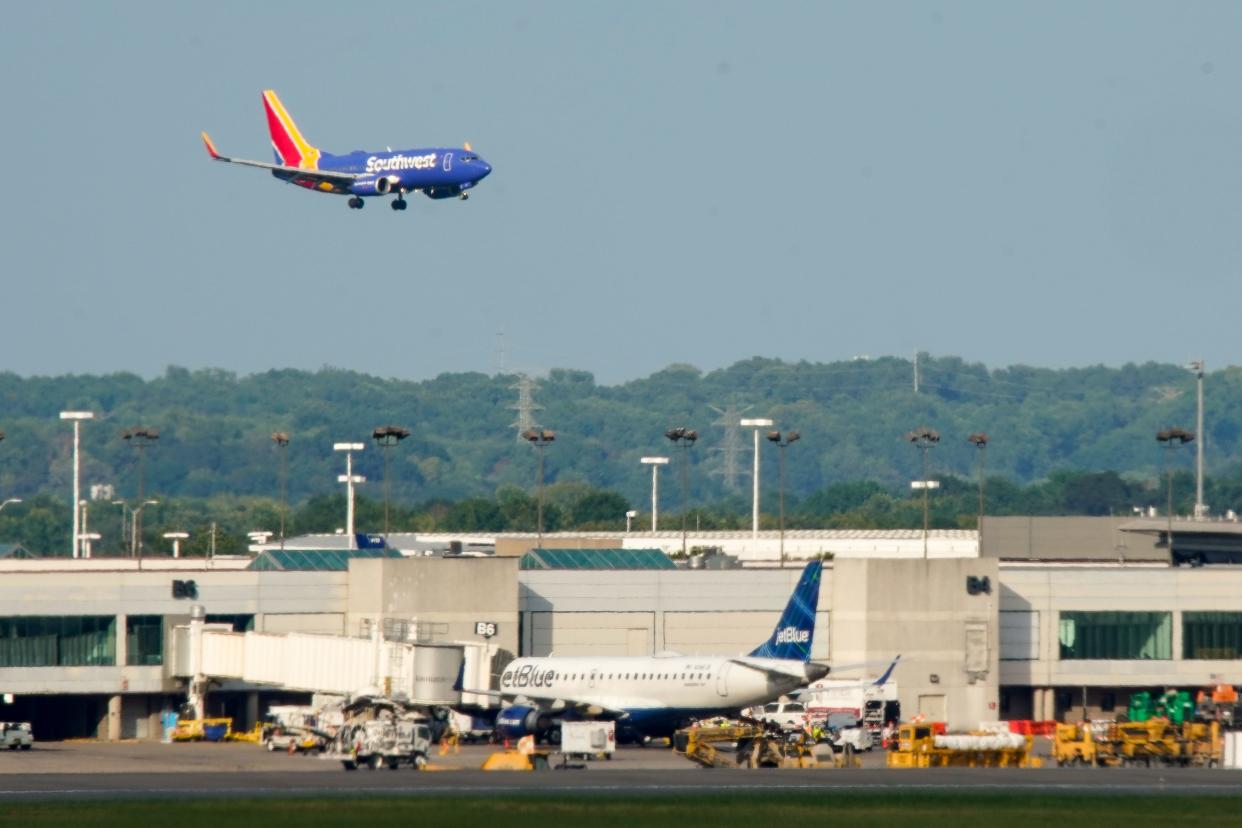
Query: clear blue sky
point(1042, 183)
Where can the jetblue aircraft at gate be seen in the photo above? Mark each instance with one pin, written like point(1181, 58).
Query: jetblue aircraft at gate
point(437, 172)
point(654, 695)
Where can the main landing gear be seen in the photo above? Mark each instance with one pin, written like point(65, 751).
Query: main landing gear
point(399, 204)
point(355, 203)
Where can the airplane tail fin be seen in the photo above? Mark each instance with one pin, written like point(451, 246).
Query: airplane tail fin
point(292, 150)
point(794, 632)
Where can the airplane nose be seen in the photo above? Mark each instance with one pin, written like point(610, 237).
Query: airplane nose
point(485, 168)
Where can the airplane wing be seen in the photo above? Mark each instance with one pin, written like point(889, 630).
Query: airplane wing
point(770, 666)
point(298, 175)
point(582, 708)
point(880, 682)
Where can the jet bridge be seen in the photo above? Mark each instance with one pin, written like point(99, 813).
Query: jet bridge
point(330, 664)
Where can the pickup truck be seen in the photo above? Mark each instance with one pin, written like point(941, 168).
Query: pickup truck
point(785, 715)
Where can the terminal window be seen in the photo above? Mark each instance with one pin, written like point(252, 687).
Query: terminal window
point(144, 640)
point(58, 641)
point(1212, 635)
point(1116, 635)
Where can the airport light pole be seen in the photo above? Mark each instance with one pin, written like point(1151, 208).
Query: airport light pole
point(76, 417)
point(756, 423)
point(1200, 506)
point(655, 463)
point(629, 519)
point(124, 522)
point(980, 441)
point(140, 437)
point(349, 479)
point(782, 442)
point(386, 437)
point(135, 524)
point(281, 441)
point(924, 438)
point(176, 538)
point(539, 438)
point(1170, 437)
point(685, 438)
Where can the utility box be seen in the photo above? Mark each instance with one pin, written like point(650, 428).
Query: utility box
point(589, 738)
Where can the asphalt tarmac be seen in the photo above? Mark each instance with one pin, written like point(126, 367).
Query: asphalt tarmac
point(153, 771)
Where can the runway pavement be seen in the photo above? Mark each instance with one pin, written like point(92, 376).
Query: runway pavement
point(147, 771)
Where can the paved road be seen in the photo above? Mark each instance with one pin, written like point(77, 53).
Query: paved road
point(143, 771)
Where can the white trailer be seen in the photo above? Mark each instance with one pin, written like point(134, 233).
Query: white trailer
point(588, 739)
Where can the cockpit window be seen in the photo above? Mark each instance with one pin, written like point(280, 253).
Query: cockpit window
point(469, 158)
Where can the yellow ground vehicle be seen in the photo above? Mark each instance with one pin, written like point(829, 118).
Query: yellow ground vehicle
point(918, 746)
point(745, 746)
point(198, 730)
point(1074, 744)
point(1126, 743)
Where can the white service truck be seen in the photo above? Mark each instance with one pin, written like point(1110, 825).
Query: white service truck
point(386, 742)
point(15, 735)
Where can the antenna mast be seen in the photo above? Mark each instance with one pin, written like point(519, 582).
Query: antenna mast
point(731, 448)
point(525, 406)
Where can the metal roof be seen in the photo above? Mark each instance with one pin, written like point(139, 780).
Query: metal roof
point(314, 560)
point(596, 559)
point(15, 550)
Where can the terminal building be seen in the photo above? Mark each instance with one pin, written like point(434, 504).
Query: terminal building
point(1039, 618)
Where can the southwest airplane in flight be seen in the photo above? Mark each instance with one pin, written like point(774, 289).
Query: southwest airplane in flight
point(438, 172)
point(654, 695)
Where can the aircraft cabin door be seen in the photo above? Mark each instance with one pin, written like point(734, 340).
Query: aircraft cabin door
point(448, 162)
point(722, 681)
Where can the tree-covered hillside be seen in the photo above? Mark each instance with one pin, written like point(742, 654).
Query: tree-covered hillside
point(215, 427)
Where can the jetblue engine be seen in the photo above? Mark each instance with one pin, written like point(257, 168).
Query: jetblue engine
point(380, 185)
point(519, 720)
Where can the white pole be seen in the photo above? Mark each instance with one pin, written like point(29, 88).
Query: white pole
point(655, 498)
point(77, 489)
point(349, 508)
point(85, 544)
point(754, 517)
point(1200, 439)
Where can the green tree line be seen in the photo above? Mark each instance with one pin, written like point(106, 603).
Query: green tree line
point(223, 522)
point(215, 430)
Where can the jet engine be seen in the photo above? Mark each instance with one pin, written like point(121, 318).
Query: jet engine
point(381, 185)
point(520, 720)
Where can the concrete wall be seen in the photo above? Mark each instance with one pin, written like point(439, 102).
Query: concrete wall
point(445, 596)
point(120, 593)
point(697, 612)
point(921, 610)
point(1048, 591)
point(1067, 538)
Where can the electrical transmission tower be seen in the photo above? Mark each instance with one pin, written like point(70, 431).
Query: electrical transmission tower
point(525, 406)
point(732, 447)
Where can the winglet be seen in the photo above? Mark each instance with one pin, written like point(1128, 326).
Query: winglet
point(211, 148)
point(882, 680)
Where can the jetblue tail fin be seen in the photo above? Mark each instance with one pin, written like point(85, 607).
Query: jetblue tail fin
point(793, 634)
point(292, 150)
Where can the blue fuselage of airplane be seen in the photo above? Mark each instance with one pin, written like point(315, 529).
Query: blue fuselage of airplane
point(439, 172)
